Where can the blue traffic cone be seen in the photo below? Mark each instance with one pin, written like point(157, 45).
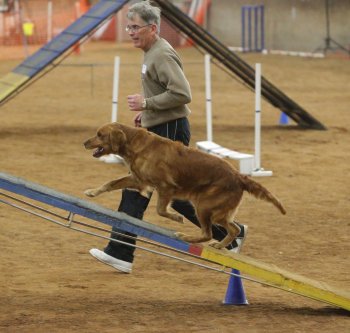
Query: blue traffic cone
point(284, 119)
point(235, 292)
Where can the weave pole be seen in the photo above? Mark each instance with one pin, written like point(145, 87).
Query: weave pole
point(112, 158)
point(208, 97)
point(258, 170)
point(115, 89)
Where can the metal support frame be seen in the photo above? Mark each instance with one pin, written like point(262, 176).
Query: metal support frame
point(328, 39)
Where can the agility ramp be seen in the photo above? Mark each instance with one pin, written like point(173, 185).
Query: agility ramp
point(258, 271)
point(44, 58)
point(16, 80)
point(236, 65)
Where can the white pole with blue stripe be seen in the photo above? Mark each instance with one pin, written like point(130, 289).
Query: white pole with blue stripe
point(258, 170)
point(208, 97)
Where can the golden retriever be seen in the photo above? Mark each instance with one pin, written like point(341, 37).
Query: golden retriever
point(175, 171)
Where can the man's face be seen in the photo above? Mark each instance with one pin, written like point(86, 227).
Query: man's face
point(141, 33)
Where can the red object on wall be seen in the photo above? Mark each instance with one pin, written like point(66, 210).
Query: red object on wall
point(200, 17)
point(84, 6)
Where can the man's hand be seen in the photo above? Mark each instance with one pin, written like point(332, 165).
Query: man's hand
point(135, 102)
point(137, 120)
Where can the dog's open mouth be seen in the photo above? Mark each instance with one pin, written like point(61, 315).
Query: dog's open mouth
point(98, 152)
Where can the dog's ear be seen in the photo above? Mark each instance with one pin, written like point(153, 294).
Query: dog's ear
point(117, 139)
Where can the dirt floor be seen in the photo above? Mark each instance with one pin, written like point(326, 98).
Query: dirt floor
point(50, 283)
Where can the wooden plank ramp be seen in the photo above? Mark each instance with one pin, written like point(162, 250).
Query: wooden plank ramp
point(259, 271)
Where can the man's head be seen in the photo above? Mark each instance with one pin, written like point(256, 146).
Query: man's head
point(143, 24)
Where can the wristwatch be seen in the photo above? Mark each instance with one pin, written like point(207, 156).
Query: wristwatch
point(144, 104)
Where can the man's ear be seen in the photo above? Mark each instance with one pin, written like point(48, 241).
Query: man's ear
point(154, 29)
point(117, 139)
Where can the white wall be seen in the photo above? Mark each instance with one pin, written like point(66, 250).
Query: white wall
point(293, 25)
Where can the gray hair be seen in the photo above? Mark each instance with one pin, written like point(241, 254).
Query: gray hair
point(148, 13)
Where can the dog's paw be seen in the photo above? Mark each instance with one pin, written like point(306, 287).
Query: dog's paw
point(90, 193)
point(178, 218)
point(180, 235)
point(215, 244)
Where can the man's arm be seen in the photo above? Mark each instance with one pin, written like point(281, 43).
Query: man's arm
point(172, 77)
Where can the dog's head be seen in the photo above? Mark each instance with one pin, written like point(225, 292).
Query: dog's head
point(109, 139)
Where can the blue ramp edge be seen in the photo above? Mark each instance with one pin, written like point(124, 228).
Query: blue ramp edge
point(45, 56)
point(69, 37)
point(92, 211)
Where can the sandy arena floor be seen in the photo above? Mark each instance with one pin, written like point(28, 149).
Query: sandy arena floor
point(49, 282)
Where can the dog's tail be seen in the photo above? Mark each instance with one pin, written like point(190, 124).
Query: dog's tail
point(260, 192)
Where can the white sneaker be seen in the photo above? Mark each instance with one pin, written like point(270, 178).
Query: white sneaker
point(120, 265)
point(239, 241)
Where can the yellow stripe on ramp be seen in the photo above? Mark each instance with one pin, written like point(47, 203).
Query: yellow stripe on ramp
point(279, 278)
point(10, 83)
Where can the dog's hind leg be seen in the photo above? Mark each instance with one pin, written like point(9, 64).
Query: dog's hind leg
point(162, 208)
point(204, 218)
point(233, 231)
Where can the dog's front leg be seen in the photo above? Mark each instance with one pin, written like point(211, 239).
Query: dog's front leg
point(162, 208)
point(125, 182)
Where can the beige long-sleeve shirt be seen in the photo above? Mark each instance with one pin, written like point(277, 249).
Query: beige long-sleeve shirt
point(165, 86)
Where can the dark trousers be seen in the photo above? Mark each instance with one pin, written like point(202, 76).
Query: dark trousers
point(134, 204)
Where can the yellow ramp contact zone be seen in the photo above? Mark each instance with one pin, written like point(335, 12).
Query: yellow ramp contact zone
point(279, 278)
point(11, 82)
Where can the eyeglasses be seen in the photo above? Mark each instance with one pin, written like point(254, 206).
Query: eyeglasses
point(135, 28)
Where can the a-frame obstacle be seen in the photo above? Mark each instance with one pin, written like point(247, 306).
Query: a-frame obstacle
point(236, 65)
point(51, 54)
point(258, 271)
